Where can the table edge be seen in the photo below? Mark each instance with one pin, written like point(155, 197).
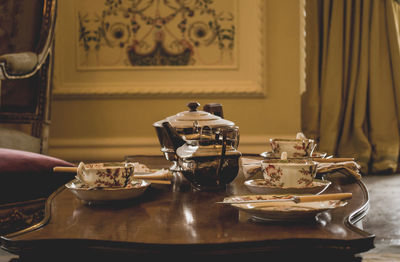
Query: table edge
point(356, 245)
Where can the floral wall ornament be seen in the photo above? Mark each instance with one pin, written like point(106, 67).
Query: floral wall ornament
point(136, 33)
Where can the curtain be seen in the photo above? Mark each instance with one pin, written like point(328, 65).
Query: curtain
point(351, 105)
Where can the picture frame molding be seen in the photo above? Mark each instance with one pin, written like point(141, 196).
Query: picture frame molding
point(70, 82)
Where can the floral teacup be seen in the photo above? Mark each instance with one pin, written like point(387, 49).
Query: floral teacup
point(295, 173)
point(106, 174)
point(295, 148)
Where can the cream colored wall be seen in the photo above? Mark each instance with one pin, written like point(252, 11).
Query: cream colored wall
point(108, 129)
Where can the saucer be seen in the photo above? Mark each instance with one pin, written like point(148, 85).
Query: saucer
point(271, 155)
point(283, 211)
point(259, 186)
point(93, 195)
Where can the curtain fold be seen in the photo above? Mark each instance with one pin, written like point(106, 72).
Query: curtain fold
point(352, 101)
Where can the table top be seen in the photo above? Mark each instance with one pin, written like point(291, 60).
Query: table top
point(178, 219)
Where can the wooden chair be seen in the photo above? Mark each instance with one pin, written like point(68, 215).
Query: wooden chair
point(26, 48)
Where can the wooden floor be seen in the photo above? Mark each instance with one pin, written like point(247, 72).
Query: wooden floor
point(382, 219)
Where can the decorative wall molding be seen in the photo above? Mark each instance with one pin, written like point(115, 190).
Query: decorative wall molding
point(176, 89)
point(115, 149)
point(246, 80)
point(303, 53)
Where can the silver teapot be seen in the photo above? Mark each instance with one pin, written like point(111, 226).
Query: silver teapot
point(209, 165)
point(190, 125)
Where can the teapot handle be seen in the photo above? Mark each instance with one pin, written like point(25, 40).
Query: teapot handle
point(221, 160)
point(214, 108)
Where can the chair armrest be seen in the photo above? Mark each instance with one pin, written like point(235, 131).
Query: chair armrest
point(18, 64)
point(11, 68)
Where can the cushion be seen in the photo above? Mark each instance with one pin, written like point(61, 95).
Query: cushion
point(27, 175)
point(15, 139)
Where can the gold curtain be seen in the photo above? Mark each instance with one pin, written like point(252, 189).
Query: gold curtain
point(351, 105)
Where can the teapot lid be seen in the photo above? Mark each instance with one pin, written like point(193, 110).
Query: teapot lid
point(194, 150)
point(188, 118)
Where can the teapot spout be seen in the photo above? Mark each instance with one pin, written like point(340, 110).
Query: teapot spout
point(175, 139)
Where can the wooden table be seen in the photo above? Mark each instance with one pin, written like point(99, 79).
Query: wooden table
point(178, 222)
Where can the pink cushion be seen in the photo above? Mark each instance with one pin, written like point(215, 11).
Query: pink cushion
point(26, 175)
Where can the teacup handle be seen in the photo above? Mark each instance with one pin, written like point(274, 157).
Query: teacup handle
point(284, 156)
point(79, 171)
point(312, 149)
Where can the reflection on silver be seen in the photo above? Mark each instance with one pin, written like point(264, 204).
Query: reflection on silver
point(323, 218)
point(188, 216)
point(337, 230)
point(190, 225)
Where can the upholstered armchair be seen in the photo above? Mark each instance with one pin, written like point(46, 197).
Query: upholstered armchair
point(26, 47)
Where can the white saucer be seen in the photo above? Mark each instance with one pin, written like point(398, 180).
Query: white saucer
point(271, 155)
point(94, 195)
point(283, 211)
point(258, 186)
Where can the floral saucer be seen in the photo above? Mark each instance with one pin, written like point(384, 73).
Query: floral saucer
point(259, 186)
point(104, 194)
point(271, 155)
point(283, 211)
